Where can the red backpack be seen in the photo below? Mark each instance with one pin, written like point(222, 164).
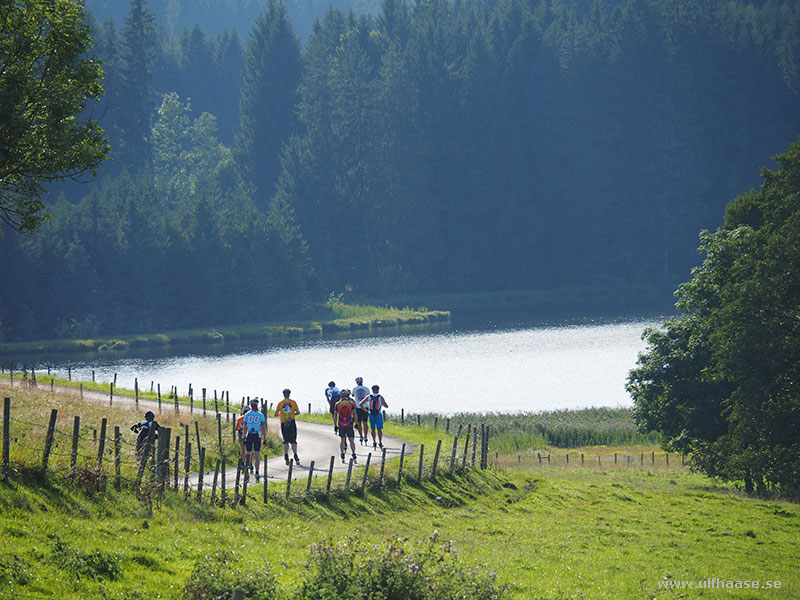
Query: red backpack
point(345, 410)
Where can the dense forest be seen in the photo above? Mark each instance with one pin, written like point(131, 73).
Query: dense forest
point(421, 148)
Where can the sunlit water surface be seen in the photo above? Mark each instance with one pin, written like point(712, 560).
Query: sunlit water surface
point(506, 369)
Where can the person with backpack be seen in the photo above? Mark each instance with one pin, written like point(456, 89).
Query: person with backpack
point(375, 404)
point(332, 395)
point(143, 429)
point(287, 410)
point(360, 392)
point(345, 415)
point(255, 428)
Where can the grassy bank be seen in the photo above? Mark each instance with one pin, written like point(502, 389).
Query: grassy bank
point(333, 317)
point(549, 530)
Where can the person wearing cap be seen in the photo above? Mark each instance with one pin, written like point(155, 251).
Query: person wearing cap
point(375, 403)
point(143, 430)
point(240, 436)
point(287, 410)
point(255, 427)
point(360, 392)
point(345, 417)
point(332, 395)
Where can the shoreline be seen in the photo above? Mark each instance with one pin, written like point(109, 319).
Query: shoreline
point(341, 318)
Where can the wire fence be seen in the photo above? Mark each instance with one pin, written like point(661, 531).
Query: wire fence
point(163, 463)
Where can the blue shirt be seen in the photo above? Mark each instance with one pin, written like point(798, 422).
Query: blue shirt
point(253, 421)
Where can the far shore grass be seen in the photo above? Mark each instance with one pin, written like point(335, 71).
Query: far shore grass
point(332, 317)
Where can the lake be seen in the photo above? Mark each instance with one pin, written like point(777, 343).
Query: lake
point(474, 364)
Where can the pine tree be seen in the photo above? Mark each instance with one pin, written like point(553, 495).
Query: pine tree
point(273, 69)
point(137, 54)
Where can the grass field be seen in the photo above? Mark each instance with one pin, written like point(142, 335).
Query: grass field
point(551, 531)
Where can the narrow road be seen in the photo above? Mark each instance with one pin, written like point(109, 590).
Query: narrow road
point(315, 442)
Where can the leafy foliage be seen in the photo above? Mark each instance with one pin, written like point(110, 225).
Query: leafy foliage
point(401, 570)
point(46, 83)
point(217, 575)
point(719, 382)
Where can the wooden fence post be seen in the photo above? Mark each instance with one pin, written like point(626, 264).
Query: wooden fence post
point(310, 476)
point(330, 475)
point(349, 473)
point(159, 397)
point(117, 461)
point(653, 457)
point(102, 446)
point(76, 430)
point(204, 402)
point(110, 393)
point(6, 438)
point(419, 471)
point(214, 484)
point(227, 407)
point(197, 434)
point(436, 458)
point(581, 458)
point(400, 470)
point(187, 464)
point(289, 479)
point(219, 432)
point(383, 464)
point(177, 460)
point(175, 396)
point(162, 460)
point(474, 443)
point(243, 499)
point(48, 441)
point(366, 471)
point(201, 472)
point(466, 445)
point(222, 497)
point(136, 391)
point(453, 454)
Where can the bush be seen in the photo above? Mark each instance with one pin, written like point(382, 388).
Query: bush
point(402, 570)
point(94, 565)
point(218, 574)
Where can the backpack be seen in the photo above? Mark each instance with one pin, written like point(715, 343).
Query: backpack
point(345, 410)
point(333, 396)
point(375, 404)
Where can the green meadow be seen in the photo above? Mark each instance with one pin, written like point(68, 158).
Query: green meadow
point(551, 530)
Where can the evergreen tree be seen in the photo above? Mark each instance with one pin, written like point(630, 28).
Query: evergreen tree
point(137, 55)
point(273, 69)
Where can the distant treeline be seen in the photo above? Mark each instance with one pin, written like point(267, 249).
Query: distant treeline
point(436, 147)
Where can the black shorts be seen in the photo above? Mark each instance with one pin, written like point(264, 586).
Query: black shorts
point(289, 432)
point(252, 442)
point(362, 415)
point(332, 407)
point(346, 432)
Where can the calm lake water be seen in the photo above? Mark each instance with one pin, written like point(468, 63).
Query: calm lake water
point(478, 365)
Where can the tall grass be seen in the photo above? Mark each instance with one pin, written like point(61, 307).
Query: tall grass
point(560, 429)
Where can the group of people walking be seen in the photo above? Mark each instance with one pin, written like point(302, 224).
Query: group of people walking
point(358, 409)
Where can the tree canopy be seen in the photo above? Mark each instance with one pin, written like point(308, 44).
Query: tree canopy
point(721, 380)
point(46, 82)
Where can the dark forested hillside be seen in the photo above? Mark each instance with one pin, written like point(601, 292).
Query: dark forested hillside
point(433, 147)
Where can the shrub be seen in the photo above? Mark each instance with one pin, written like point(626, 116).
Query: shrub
point(218, 574)
point(402, 570)
point(94, 565)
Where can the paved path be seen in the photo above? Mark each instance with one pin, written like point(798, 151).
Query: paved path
point(314, 442)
